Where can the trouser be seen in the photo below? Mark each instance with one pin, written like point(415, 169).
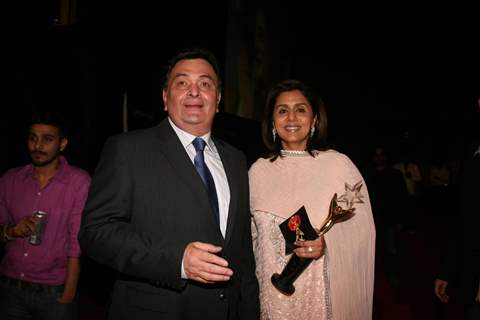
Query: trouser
point(23, 300)
point(473, 312)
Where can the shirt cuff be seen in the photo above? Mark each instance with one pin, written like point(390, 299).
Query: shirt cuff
point(184, 275)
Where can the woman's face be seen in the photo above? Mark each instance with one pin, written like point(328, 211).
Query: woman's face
point(293, 118)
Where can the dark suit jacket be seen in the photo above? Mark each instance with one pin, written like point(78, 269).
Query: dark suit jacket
point(146, 204)
point(462, 262)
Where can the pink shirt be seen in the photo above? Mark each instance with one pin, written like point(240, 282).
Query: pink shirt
point(63, 199)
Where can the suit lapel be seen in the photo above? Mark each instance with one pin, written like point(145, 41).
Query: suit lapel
point(176, 155)
point(229, 167)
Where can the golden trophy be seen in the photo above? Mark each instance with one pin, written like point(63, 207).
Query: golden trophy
point(292, 232)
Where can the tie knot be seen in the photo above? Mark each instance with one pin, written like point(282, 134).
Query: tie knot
point(199, 144)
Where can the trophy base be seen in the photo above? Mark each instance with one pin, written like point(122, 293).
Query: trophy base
point(286, 289)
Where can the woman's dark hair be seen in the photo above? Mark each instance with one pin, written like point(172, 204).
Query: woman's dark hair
point(315, 142)
point(190, 54)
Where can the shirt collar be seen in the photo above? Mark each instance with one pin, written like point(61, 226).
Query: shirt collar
point(477, 152)
point(61, 174)
point(187, 138)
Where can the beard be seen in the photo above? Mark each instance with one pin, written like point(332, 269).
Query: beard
point(46, 161)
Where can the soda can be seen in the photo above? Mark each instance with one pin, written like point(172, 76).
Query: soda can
point(36, 236)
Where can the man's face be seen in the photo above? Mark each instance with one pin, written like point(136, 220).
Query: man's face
point(44, 144)
point(191, 97)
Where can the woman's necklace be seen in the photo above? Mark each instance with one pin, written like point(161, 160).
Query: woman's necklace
point(294, 153)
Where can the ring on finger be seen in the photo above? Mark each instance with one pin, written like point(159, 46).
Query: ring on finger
point(309, 249)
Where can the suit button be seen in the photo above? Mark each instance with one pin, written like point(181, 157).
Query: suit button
point(222, 296)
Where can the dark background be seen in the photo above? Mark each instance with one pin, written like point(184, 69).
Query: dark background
point(404, 75)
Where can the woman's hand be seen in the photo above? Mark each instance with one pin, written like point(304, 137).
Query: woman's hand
point(312, 249)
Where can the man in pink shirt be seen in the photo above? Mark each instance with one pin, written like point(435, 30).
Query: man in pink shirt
point(40, 281)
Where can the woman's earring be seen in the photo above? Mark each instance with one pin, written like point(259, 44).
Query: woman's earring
point(312, 131)
point(274, 133)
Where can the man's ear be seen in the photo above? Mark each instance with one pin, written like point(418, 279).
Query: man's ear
point(63, 143)
point(164, 97)
point(218, 99)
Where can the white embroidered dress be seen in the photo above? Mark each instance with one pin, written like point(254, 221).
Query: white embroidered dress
point(339, 285)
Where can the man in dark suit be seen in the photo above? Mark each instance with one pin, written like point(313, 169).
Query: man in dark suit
point(460, 271)
point(171, 212)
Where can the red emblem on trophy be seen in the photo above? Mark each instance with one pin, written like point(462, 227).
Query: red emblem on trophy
point(294, 225)
point(294, 222)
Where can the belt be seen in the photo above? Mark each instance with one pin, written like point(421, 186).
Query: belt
point(25, 285)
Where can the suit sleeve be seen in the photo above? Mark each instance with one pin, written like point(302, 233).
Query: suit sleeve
point(249, 300)
point(448, 269)
point(107, 233)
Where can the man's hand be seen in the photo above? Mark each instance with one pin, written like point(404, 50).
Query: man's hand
point(312, 249)
point(441, 290)
point(66, 298)
point(71, 281)
point(201, 264)
point(23, 228)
